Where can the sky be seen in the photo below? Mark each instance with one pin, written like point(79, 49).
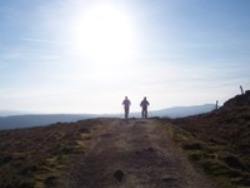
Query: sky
point(85, 56)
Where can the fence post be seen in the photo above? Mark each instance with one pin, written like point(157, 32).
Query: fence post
point(241, 89)
point(216, 105)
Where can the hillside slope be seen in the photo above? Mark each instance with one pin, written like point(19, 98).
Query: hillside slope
point(227, 133)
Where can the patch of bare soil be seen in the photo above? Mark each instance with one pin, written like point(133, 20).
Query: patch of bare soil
point(134, 153)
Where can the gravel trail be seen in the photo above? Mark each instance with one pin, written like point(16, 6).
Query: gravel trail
point(135, 153)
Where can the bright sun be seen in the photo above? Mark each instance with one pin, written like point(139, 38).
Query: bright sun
point(105, 35)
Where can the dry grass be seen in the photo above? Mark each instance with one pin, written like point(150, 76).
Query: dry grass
point(219, 142)
point(40, 157)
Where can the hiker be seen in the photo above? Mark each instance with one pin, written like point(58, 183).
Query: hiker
point(126, 103)
point(144, 105)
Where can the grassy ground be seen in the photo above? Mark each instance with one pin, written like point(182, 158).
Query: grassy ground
point(218, 142)
point(40, 157)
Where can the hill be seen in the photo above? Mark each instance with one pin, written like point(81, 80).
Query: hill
point(25, 121)
point(183, 111)
point(238, 101)
point(227, 133)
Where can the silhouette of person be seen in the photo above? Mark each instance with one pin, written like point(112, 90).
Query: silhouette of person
point(126, 103)
point(144, 105)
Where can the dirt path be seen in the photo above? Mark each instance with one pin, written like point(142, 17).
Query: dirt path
point(135, 154)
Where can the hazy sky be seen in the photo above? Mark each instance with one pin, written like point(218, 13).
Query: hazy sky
point(85, 56)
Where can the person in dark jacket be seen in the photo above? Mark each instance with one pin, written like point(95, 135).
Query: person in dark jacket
point(126, 103)
point(144, 105)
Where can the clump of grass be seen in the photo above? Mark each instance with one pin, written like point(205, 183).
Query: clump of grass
point(51, 182)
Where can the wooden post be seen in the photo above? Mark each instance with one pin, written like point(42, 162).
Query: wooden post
point(216, 105)
point(241, 89)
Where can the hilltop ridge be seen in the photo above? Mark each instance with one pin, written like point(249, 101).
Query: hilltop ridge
point(238, 100)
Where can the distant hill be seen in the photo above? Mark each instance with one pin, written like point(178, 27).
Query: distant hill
point(22, 121)
point(183, 111)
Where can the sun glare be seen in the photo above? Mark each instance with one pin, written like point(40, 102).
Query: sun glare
point(105, 37)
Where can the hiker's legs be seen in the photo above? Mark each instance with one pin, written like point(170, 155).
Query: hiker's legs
point(146, 113)
point(126, 113)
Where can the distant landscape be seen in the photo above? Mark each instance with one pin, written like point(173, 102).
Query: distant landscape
point(12, 119)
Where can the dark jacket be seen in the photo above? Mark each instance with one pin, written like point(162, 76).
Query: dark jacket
point(144, 104)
